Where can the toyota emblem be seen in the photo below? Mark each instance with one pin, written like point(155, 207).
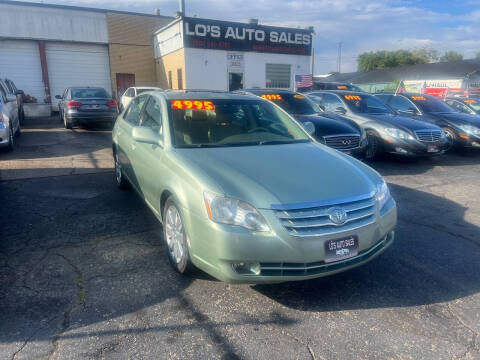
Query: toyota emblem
point(337, 215)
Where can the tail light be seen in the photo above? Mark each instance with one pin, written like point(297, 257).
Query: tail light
point(112, 104)
point(74, 104)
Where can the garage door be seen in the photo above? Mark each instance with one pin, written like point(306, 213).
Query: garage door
point(20, 62)
point(76, 65)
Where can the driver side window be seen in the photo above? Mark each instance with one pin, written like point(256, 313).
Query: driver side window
point(331, 102)
point(132, 114)
point(400, 103)
point(458, 106)
point(152, 116)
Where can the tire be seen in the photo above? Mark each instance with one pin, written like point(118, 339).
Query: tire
point(21, 117)
point(452, 139)
point(11, 139)
point(66, 122)
point(176, 238)
point(374, 145)
point(120, 179)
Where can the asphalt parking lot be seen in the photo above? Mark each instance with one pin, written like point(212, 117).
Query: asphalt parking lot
point(84, 272)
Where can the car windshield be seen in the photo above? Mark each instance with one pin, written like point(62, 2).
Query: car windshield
point(365, 104)
point(429, 104)
point(222, 122)
point(86, 93)
point(473, 103)
point(139, 91)
point(294, 103)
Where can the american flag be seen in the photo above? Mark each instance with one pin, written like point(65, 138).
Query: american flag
point(303, 81)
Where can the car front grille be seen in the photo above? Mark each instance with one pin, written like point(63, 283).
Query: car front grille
point(314, 219)
point(316, 268)
point(428, 135)
point(342, 142)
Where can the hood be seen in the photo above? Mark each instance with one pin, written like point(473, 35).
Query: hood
point(402, 122)
point(329, 126)
point(282, 174)
point(459, 118)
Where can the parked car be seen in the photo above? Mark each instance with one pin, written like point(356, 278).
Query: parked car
point(324, 85)
point(244, 193)
point(86, 106)
point(131, 92)
point(12, 90)
point(462, 130)
point(466, 105)
point(9, 122)
point(331, 129)
point(386, 130)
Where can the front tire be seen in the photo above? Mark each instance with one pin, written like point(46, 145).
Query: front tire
point(122, 182)
point(451, 137)
point(374, 145)
point(11, 139)
point(176, 238)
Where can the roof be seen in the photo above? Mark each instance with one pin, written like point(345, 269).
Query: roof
point(79, 8)
point(434, 71)
point(203, 95)
point(266, 91)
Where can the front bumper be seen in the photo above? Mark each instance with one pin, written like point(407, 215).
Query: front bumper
point(215, 248)
point(414, 148)
point(468, 140)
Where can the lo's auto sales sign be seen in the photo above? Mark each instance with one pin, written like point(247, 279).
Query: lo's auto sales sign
point(222, 35)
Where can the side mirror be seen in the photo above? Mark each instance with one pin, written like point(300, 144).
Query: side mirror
point(341, 110)
point(309, 127)
point(11, 97)
point(59, 97)
point(146, 135)
point(19, 92)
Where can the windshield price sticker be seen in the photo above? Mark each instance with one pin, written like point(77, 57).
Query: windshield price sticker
point(353, 97)
point(298, 96)
point(470, 101)
point(419, 98)
point(193, 104)
point(272, 96)
point(341, 87)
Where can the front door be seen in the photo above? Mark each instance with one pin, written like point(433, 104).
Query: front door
point(124, 81)
point(235, 81)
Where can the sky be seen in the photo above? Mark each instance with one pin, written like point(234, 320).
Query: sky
point(360, 25)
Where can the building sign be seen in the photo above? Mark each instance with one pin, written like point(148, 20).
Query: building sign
point(235, 62)
point(222, 35)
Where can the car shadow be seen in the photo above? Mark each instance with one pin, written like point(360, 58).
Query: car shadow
point(433, 259)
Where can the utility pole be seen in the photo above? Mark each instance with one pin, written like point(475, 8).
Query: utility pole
point(339, 58)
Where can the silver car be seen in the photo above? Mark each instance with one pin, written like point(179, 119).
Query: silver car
point(9, 122)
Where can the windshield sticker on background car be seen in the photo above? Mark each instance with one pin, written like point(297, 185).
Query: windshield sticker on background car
point(470, 101)
point(272, 96)
point(341, 87)
point(419, 98)
point(298, 96)
point(193, 104)
point(352, 97)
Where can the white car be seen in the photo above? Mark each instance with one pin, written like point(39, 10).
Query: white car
point(131, 92)
point(9, 122)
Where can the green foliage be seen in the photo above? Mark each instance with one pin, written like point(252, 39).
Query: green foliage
point(426, 54)
point(451, 56)
point(388, 59)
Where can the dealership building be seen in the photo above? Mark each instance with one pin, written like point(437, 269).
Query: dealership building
point(193, 53)
point(46, 48)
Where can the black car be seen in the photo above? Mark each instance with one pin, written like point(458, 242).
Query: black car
point(462, 130)
point(330, 129)
point(86, 106)
point(386, 130)
point(466, 105)
point(324, 85)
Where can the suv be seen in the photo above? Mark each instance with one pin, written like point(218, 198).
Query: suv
point(244, 193)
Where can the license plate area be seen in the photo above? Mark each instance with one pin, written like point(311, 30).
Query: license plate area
point(432, 148)
point(340, 249)
point(92, 107)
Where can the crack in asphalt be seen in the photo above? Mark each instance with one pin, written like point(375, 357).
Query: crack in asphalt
point(472, 346)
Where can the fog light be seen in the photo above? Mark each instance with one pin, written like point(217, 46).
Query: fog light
point(246, 268)
point(400, 150)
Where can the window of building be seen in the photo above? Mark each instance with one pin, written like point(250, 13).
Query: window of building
point(170, 82)
point(277, 75)
point(180, 79)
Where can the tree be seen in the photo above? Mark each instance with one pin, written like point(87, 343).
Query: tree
point(427, 54)
point(451, 56)
point(387, 59)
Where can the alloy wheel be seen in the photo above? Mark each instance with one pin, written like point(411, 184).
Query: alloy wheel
point(175, 236)
point(451, 137)
point(372, 147)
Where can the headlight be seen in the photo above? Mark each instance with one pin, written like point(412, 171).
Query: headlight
point(399, 134)
point(469, 129)
point(230, 211)
point(2, 122)
point(383, 194)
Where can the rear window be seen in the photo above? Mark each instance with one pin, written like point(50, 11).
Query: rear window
point(139, 91)
point(218, 122)
point(89, 93)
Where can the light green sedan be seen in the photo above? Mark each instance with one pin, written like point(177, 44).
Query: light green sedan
point(244, 192)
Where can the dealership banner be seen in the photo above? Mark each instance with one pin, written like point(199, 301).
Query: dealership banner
point(231, 36)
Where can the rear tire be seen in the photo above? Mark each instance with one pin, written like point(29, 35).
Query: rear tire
point(374, 145)
point(176, 238)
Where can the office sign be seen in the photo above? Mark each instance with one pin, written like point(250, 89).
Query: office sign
point(230, 36)
point(235, 62)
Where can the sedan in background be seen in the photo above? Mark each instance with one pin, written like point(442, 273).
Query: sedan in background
point(86, 106)
point(331, 129)
point(9, 122)
point(11, 89)
point(462, 130)
point(465, 105)
point(386, 130)
point(131, 92)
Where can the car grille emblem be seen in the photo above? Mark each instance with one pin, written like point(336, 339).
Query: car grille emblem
point(346, 142)
point(337, 215)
